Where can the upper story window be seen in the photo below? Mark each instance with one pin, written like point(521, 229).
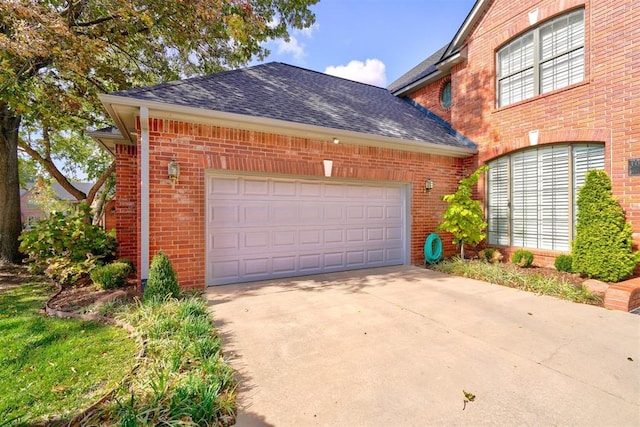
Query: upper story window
point(548, 57)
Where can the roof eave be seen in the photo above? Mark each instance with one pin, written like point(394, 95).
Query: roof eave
point(107, 140)
point(442, 69)
point(118, 106)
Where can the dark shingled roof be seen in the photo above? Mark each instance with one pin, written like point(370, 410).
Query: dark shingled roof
point(285, 92)
point(421, 70)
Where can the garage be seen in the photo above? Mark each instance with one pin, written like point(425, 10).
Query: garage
point(264, 227)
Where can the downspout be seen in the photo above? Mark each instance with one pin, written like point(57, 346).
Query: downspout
point(144, 196)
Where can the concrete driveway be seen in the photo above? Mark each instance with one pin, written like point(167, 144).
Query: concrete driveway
point(397, 346)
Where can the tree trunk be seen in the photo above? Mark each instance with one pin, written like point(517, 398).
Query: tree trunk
point(10, 224)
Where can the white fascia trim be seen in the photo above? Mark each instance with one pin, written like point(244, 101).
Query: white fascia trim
point(442, 69)
point(218, 118)
point(467, 25)
point(126, 135)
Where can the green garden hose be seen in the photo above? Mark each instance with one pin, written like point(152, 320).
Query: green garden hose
point(432, 249)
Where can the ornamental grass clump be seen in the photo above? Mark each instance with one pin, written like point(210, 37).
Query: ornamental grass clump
point(162, 281)
point(603, 245)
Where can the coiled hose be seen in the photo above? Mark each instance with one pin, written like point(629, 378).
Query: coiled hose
point(432, 249)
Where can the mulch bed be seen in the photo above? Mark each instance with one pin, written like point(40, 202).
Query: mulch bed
point(85, 297)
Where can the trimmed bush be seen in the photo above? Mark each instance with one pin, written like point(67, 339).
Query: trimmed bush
point(162, 280)
point(523, 258)
point(112, 275)
point(491, 255)
point(563, 263)
point(603, 245)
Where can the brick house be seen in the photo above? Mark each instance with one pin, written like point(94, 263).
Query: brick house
point(253, 198)
point(285, 171)
point(547, 90)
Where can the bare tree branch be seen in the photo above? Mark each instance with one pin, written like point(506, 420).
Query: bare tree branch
point(53, 170)
point(96, 187)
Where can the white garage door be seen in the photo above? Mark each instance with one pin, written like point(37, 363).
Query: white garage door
point(263, 227)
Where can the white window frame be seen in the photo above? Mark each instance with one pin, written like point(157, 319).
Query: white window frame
point(531, 194)
point(527, 66)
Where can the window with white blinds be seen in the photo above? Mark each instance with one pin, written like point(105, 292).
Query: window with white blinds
point(531, 194)
point(546, 58)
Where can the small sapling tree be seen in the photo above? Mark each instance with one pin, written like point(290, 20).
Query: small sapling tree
point(463, 217)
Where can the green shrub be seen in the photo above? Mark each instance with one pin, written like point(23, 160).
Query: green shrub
point(491, 255)
point(602, 248)
point(162, 280)
point(66, 246)
point(112, 275)
point(563, 263)
point(523, 258)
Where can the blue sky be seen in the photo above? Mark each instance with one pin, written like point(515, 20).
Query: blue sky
point(375, 41)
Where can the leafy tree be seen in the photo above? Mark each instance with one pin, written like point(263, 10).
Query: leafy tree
point(57, 55)
point(603, 245)
point(463, 217)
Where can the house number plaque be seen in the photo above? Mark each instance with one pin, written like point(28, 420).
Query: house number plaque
point(634, 167)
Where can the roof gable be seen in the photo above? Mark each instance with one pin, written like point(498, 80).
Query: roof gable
point(432, 68)
point(291, 94)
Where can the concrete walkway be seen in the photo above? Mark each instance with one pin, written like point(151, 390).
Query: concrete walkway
point(397, 346)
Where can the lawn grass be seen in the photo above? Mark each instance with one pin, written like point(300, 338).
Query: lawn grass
point(52, 367)
point(510, 275)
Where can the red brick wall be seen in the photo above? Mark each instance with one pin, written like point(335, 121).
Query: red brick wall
point(127, 184)
point(177, 212)
point(429, 97)
point(605, 107)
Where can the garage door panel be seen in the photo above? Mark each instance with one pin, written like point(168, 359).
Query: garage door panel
point(256, 187)
point(375, 256)
point(333, 237)
point(284, 264)
point(283, 188)
point(258, 239)
point(262, 227)
point(333, 260)
point(283, 238)
point(225, 214)
point(375, 234)
point(226, 241)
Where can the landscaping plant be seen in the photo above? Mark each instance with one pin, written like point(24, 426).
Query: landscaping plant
point(491, 255)
point(602, 248)
point(527, 280)
point(67, 246)
point(162, 281)
point(463, 217)
point(564, 263)
point(523, 258)
point(112, 275)
point(183, 378)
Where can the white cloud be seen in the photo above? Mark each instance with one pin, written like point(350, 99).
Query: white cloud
point(372, 71)
point(308, 32)
point(293, 47)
